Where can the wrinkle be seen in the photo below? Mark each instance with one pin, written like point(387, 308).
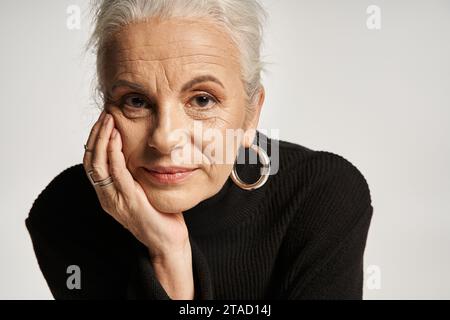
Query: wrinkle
point(166, 77)
point(169, 58)
point(191, 46)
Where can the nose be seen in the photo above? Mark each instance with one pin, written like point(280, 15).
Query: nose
point(167, 130)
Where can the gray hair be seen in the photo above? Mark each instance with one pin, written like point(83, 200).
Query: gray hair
point(242, 19)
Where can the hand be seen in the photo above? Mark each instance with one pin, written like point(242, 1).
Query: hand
point(164, 234)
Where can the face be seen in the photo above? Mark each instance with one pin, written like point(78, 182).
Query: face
point(167, 83)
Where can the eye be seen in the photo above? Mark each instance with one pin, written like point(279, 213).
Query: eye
point(203, 101)
point(136, 101)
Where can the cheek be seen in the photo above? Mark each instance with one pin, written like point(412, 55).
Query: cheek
point(221, 156)
point(237, 111)
point(208, 185)
point(133, 137)
point(222, 144)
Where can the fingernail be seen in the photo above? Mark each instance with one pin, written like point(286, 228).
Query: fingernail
point(102, 115)
point(114, 133)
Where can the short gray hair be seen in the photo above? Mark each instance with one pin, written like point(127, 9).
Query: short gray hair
point(243, 19)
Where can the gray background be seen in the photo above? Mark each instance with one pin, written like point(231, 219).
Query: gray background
point(380, 98)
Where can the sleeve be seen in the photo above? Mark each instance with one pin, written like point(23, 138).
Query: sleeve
point(76, 260)
point(68, 227)
point(47, 236)
point(324, 246)
point(143, 283)
point(53, 261)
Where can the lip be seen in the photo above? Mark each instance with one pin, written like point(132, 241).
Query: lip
point(169, 175)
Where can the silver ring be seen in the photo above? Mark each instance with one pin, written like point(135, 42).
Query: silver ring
point(106, 182)
point(86, 148)
point(102, 183)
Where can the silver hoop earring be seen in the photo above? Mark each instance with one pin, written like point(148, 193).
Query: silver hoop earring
point(265, 170)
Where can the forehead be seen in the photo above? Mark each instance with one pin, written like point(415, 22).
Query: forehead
point(174, 42)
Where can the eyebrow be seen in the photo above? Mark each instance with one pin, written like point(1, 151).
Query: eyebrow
point(199, 79)
point(125, 83)
point(186, 86)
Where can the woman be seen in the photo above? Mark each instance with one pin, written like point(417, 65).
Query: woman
point(141, 219)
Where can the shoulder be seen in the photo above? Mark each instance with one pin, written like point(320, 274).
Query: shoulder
point(320, 188)
point(331, 195)
point(67, 209)
point(322, 172)
point(69, 180)
point(67, 191)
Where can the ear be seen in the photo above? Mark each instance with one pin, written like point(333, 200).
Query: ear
point(252, 124)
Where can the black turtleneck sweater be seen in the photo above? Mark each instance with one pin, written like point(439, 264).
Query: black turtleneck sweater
point(300, 236)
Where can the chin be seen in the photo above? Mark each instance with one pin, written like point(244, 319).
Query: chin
point(172, 201)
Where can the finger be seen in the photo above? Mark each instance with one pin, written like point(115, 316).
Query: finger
point(99, 163)
point(123, 180)
point(87, 158)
